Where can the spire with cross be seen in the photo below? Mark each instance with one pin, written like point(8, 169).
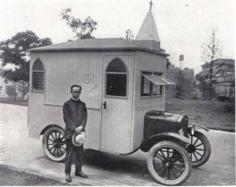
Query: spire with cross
point(151, 4)
point(148, 30)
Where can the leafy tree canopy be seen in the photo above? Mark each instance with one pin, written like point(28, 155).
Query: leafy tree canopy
point(82, 29)
point(14, 51)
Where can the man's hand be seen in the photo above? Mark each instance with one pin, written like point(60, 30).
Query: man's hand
point(78, 129)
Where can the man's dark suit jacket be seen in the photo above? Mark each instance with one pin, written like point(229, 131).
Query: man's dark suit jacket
point(75, 115)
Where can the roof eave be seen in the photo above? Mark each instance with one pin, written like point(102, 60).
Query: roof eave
point(100, 49)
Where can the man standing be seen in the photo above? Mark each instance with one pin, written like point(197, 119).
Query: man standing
point(75, 118)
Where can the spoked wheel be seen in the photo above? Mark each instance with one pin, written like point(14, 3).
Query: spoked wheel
point(54, 144)
point(199, 149)
point(169, 163)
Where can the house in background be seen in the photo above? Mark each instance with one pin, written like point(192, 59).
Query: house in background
point(5, 85)
point(223, 76)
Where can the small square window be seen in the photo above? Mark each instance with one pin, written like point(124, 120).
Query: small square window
point(116, 85)
point(116, 78)
point(148, 88)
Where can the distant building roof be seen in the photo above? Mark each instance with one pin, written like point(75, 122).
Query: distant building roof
point(103, 44)
point(226, 61)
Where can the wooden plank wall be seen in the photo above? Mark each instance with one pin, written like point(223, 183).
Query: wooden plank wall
point(63, 70)
point(152, 63)
point(35, 108)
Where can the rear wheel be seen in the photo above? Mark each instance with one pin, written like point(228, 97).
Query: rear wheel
point(169, 163)
point(54, 144)
point(199, 149)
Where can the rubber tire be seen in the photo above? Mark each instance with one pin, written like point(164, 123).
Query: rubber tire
point(44, 143)
point(181, 150)
point(207, 147)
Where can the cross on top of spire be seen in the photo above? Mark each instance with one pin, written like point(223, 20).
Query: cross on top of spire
point(151, 4)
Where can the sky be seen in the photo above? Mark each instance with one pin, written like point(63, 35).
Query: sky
point(183, 25)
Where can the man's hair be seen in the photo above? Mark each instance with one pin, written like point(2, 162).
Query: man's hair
point(75, 85)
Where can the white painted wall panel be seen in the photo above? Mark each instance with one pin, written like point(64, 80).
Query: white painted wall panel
point(62, 70)
point(152, 63)
point(35, 109)
point(74, 68)
point(35, 114)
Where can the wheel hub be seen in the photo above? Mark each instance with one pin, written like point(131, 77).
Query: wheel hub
point(191, 149)
point(167, 164)
point(57, 143)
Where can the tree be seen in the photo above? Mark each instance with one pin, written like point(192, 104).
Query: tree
point(82, 29)
point(206, 91)
point(11, 91)
point(14, 51)
point(184, 82)
point(210, 52)
point(179, 85)
point(23, 87)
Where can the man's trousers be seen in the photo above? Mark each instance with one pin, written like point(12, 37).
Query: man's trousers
point(73, 152)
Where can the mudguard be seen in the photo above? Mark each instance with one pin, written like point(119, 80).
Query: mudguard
point(49, 126)
point(197, 127)
point(147, 143)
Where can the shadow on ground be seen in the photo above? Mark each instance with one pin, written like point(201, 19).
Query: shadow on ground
point(115, 162)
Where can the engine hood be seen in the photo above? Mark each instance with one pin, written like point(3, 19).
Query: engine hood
point(156, 122)
point(167, 116)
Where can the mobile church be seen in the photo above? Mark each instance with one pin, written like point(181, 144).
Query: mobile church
point(124, 87)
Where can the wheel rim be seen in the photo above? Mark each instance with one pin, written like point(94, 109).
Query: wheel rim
point(56, 144)
point(168, 163)
point(196, 149)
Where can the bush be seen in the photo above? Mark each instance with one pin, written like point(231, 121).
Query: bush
point(11, 91)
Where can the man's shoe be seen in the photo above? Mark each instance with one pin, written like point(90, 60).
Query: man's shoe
point(81, 174)
point(68, 178)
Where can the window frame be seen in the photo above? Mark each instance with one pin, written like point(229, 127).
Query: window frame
point(34, 90)
point(116, 73)
point(150, 94)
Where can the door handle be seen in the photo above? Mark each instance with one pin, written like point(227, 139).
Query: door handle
point(104, 105)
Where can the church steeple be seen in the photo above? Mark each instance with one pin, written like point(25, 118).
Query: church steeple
point(150, 9)
point(148, 34)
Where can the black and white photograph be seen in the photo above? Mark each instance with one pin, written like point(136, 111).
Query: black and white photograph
point(117, 92)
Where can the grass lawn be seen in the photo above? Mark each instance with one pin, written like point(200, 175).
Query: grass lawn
point(17, 101)
point(214, 114)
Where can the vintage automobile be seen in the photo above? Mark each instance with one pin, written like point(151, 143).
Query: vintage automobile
point(124, 87)
point(173, 146)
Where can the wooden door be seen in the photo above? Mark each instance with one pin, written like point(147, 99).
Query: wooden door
point(116, 127)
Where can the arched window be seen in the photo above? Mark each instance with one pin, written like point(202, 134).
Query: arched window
point(38, 76)
point(116, 78)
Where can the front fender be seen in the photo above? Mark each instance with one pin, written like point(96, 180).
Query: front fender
point(149, 142)
point(196, 127)
point(49, 126)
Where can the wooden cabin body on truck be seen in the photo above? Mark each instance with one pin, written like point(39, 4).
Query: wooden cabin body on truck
point(116, 81)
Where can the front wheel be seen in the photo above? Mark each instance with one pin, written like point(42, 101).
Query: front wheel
point(199, 149)
point(169, 163)
point(54, 144)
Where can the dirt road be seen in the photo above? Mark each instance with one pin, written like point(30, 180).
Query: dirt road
point(20, 151)
point(10, 177)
